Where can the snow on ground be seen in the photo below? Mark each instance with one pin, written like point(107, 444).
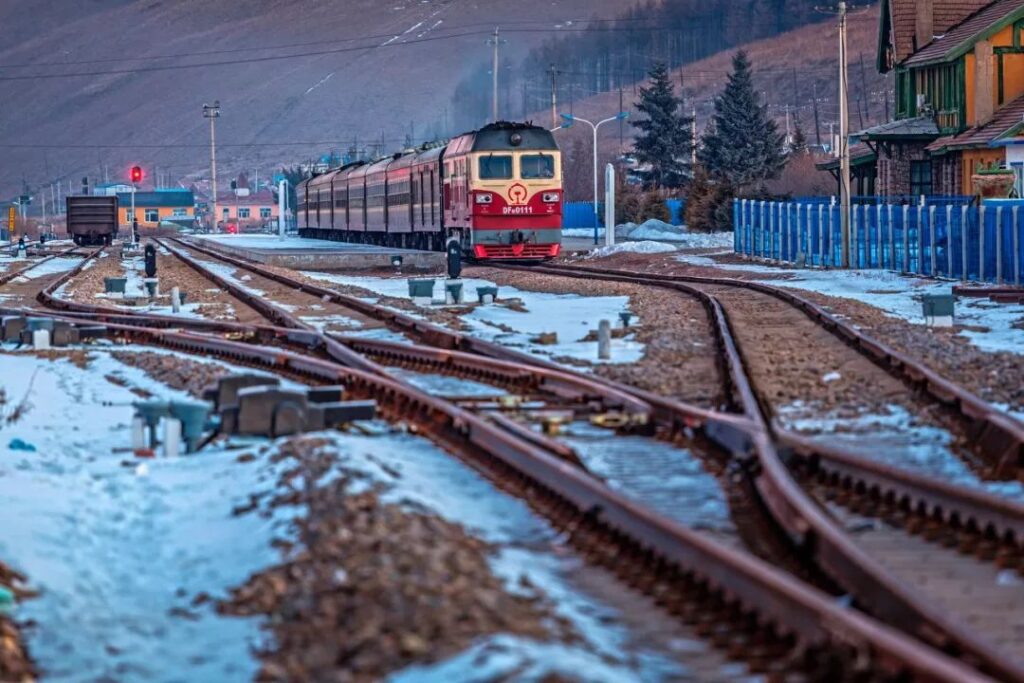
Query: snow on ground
point(135, 288)
point(645, 247)
point(897, 438)
point(444, 385)
point(525, 546)
point(896, 295)
point(570, 316)
point(659, 231)
point(51, 267)
point(119, 550)
point(669, 479)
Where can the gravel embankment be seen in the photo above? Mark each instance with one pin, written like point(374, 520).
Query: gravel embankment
point(178, 373)
point(373, 587)
point(995, 377)
point(679, 359)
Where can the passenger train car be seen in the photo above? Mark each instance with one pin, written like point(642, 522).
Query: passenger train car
point(496, 193)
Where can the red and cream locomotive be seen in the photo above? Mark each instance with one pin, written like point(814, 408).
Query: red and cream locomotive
point(495, 192)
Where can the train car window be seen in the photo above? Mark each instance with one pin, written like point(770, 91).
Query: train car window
point(496, 167)
point(534, 166)
point(433, 220)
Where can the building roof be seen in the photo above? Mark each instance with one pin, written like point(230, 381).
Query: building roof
point(917, 127)
point(859, 154)
point(158, 199)
point(899, 17)
point(960, 38)
point(1006, 120)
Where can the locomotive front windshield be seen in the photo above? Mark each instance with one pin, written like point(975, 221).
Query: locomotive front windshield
point(537, 166)
point(496, 167)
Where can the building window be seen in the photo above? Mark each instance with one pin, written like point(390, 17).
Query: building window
point(920, 178)
point(243, 212)
point(128, 216)
point(180, 213)
point(226, 211)
point(265, 211)
point(152, 215)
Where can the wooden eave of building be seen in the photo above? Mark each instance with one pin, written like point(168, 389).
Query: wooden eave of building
point(1004, 123)
point(859, 156)
point(962, 38)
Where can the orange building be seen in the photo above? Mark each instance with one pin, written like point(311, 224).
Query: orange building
point(959, 70)
point(248, 210)
point(156, 207)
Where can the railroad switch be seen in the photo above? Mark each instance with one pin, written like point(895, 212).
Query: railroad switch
point(57, 333)
point(254, 405)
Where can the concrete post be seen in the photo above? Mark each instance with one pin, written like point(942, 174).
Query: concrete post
point(282, 207)
point(609, 205)
point(175, 300)
point(172, 438)
point(892, 237)
point(906, 238)
point(604, 340)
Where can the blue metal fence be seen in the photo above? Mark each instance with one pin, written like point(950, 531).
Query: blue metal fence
point(581, 214)
point(983, 243)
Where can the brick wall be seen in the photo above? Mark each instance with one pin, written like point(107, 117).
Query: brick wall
point(894, 171)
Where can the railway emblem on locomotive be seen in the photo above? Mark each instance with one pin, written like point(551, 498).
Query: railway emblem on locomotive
point(517, 194)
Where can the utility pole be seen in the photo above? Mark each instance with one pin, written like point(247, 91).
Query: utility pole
point(622, 123)
point(817, 119)
point(844, 140)
point(212, 112)
point(693, 138)
point(496, 41)
point(554, 96)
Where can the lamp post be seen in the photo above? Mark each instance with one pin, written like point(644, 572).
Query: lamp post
point(212, 112)
point(569, 120)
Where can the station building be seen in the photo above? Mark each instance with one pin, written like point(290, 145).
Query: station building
point(158, 206)
point(959, 73)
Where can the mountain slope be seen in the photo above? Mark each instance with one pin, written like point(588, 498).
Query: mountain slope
point(366, 68)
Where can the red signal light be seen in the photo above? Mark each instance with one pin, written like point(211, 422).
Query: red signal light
point(136, 174)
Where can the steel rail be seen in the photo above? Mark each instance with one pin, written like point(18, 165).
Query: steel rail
point(829, 547)
point(656, 555)
point(813, 531)
point(8, 277)
point(999, 437)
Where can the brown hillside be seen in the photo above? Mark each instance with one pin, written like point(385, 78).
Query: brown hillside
point(117, 119)
point(788, 70)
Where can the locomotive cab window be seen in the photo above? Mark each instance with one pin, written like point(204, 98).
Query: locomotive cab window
point(537, 166)
point(496, 167)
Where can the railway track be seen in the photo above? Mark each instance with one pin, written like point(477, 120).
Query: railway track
point(728, 597)
point(882, 533)
point(756, 612)
point(883, 589)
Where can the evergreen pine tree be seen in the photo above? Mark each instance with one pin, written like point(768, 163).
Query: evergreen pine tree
point(799, 143)
point(664, 140)
point(744, 146)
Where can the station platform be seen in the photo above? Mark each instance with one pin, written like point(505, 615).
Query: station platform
point(309, 254)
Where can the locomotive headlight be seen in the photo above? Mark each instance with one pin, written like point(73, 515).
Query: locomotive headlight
point(484, 198)
point(550, 197)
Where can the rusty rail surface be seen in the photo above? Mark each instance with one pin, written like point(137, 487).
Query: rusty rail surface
point(830, 547)
point(1000, 438)
point(683, 569)
point(1002, 295)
